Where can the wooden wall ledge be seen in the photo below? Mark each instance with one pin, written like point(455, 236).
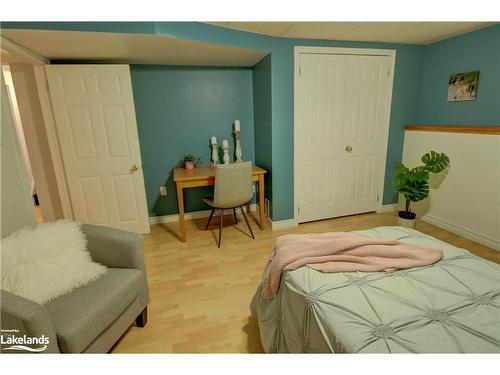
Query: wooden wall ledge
point(455, 129)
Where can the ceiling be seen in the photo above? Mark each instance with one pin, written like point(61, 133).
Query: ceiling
point(159, 49)
point(128, 48)
point(390, 32)
point(11, 57)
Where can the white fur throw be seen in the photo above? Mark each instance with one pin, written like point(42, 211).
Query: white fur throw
point(46, 262)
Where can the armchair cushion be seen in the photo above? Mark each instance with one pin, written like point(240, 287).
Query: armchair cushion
point(81, 316)
point(117, 248)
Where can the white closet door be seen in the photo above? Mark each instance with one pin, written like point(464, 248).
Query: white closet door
point(342, 103)
point(319, 133)
point(95, 119)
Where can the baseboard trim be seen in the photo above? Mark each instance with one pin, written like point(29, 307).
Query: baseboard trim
point(461, 231)
point(187, 216)
point(282, 224)
point(388, 208)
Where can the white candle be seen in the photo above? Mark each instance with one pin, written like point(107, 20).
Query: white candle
point(213, 140)
point(237, 125)
point(225, 144)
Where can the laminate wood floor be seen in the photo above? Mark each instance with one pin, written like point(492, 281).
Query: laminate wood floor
point(200, 295)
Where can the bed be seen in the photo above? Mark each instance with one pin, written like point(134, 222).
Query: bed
point(452, 306)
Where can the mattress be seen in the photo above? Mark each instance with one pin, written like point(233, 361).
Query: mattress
point(452, 306)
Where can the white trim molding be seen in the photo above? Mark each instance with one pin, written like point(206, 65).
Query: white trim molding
point(53, 140)
point(282, 224)
point(174, 218)
point(388, 208)
point(461, 231)
point(391, 53)
point(16, 48)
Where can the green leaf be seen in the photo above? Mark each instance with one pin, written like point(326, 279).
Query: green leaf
point(435, 162)
point(417, 174)
point(413, 183)
point(401, 168)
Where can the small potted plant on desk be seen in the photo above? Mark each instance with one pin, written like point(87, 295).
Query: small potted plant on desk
point(189, 162)
point(414, 183)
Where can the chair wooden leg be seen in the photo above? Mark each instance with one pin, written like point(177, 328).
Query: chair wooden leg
point(246, 220)
point(210, 218)
point(221, 217)
point(142, 319)
point(235, 218)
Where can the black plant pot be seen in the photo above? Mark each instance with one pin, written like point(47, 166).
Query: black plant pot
point(407, 215)
point(406, 219)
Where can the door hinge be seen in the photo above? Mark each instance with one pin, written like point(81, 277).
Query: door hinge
point(298, 210)
point(378, 198)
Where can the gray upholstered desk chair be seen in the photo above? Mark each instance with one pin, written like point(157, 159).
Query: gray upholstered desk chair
point(232, 190)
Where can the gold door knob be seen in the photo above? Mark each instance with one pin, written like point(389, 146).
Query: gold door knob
point(348, 148)
point(134, 168)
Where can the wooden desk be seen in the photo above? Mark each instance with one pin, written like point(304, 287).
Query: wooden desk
point(205, 176)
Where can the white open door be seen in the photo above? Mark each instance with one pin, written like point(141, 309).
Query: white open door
point(341, 133)
point(96, 125)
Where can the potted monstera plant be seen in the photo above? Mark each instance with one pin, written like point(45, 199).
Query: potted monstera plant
point(414, 183)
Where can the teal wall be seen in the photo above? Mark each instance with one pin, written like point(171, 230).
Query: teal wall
point(408, 72)
point(178, 109)
point(409, 60)
point(262, 109)
point(479, 50)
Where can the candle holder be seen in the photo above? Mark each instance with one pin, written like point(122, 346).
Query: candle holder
point(225, 149)
point(215, 155)
point(237, 152)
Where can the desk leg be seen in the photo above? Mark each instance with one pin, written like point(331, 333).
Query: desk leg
point(180, 204)
point(261, 202)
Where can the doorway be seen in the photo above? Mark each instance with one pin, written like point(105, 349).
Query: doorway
point(342, 112)
point(19, 78)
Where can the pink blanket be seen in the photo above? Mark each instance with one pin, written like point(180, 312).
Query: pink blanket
point(342, 252)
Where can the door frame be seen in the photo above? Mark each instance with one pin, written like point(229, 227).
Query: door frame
point(298, 50)
point(53, 139)
point(38, 63)
point(30, 56)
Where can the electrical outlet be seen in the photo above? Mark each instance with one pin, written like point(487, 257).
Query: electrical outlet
point(163, 191)
point(253, 188)
point(266, 208)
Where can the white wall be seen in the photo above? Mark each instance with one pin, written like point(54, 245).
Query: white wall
point(16, 208)
point(464, 199)
point(19, 126)
point(36, 139)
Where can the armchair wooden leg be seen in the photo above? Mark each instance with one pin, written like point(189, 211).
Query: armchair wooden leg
point(235, 218)
point(142, 319)
point(210, 218)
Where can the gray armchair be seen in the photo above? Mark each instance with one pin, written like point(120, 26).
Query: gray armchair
point(93, 317)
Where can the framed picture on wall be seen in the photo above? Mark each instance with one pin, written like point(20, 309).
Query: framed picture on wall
point(463, 86)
